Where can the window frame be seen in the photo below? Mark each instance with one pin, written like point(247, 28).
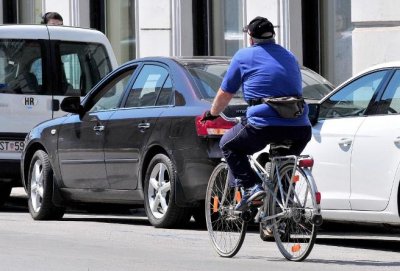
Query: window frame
point(42, 46)
point(382, 106)
point(138, 72)
point(56, 46)
point(91, 98)
point(372, 106)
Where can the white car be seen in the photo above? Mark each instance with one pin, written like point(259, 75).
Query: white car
point(39, 66)
point(356, 148)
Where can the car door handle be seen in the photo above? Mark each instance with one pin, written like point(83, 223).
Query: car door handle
point(345, 141)
point(144, 125)
point(99, 128)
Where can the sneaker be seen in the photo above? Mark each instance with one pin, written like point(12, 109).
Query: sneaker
point(254, 193)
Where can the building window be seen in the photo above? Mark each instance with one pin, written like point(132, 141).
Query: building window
point(227, 22)
point(337, 40)
point(120, 28)
point(22, 11)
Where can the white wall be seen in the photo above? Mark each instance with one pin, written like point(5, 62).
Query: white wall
point(61, 6)
point(154, 25)
point(375, 10)
point(376, 36)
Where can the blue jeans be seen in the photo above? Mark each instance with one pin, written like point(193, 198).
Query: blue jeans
point(244, 139)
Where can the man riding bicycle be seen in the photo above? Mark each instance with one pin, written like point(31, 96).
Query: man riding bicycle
point(265, 71)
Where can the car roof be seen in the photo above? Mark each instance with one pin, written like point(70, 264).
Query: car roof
point(38, 31)
point(186, 60)
point(64, 33)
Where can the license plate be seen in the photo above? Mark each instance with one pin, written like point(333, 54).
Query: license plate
point(11, 146)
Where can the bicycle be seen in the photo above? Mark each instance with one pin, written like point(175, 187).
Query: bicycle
point(291, 209)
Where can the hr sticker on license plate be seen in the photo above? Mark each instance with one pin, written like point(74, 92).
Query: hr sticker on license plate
point(11, 146)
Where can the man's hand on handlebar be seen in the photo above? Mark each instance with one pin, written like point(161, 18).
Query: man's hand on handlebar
point(207, 116)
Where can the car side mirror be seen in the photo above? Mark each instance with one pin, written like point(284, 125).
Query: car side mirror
point(313, 113)
point(72, 105)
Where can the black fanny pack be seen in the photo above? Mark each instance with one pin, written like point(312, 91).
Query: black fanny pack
point(287, 107)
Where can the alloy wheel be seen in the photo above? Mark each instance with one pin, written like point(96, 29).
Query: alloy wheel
point(37, 186)
point(159, 190)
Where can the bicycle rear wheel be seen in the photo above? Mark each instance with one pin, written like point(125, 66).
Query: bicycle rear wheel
point(293, 205)
point(226, 228)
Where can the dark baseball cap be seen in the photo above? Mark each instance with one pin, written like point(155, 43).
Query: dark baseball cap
point(260, 28)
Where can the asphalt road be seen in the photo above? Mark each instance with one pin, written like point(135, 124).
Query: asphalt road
point(83, 241)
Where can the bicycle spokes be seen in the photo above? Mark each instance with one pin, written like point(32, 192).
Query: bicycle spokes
point(226, 227)
point(292, 208)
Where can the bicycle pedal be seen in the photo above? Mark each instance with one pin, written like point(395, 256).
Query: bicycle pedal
point(267, 231)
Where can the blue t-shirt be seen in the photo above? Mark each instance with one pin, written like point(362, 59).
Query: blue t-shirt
point(265, 70)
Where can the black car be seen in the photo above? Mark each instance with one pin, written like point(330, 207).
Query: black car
point(136, 138)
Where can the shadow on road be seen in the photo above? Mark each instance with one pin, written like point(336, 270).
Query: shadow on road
point(376, 244)
point(113, 220)
point(355, 263)
point(16, 205)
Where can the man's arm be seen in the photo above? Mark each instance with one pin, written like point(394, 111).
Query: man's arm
point(220, 102)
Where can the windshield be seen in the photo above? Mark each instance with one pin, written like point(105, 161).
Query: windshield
point(208, 78)
point(315, 87)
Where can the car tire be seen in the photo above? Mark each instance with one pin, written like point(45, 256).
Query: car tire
point(159, 195)
point(40, 189)
point(5, 191)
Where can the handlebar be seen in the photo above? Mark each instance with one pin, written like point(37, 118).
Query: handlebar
point(233, 119)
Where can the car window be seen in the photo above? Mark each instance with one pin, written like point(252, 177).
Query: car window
point(147, 86)
point(208, 78)
point(110, 95)
point(354, 98)
point(82, 67)
point(390, 102)
point(314, 86)
point(21, 67)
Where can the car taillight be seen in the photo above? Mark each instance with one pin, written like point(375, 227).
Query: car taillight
point(216, 127)
point(306, 162)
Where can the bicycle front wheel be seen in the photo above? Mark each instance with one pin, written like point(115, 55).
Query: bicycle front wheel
point(292, 205)
point(226, 228)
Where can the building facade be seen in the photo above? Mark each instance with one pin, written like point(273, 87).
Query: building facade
point(336, 38)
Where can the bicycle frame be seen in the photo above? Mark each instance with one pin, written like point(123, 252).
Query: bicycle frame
point(266, 177)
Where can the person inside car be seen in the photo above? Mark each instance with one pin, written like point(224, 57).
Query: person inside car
point(264, 70)
point(52, 18)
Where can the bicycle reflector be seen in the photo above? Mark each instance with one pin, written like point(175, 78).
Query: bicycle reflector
point(215, 204)
point(306, 162)
point(296, 248)
point(216, 127)
point(318, 197)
